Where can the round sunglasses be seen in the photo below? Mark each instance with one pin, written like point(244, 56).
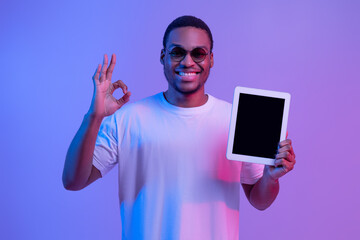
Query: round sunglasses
point(198, 54)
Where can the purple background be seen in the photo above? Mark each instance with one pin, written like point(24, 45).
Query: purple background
point(49, 52)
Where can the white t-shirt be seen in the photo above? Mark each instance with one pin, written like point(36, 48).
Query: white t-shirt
point(174, 179)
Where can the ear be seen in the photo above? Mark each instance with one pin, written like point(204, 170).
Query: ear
point(162, 56)
point(211, 59)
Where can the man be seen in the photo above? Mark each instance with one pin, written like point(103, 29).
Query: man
point(174, 179)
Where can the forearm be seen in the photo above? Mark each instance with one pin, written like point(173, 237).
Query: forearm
point(264, 192)
point(78, 163)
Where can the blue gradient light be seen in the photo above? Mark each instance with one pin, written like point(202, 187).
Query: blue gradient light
point(50, 50)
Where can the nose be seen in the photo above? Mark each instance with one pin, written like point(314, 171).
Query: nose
point(187, 61)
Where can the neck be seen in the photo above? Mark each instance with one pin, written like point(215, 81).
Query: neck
point(186, 100)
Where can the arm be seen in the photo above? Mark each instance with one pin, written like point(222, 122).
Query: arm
point(78, 169)
point(78, 164)
point(263, 193)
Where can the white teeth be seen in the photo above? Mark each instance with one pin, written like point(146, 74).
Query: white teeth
point(187, 74)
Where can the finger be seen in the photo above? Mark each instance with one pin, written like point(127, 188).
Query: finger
point(124, 99)
point(120, 84)
point(103, 69)
point(287, 134)
point(110, 69)
point(279, 162)
point(292, 160)
point(96, 74)
point(285, 155)
point(292, 151)
point(288, 150)
point(283, 163)
point(285, 148)
point(284, 142)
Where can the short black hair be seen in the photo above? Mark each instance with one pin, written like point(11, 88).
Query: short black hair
point(188, 21)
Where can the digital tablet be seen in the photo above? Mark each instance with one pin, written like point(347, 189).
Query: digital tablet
point(258, 123)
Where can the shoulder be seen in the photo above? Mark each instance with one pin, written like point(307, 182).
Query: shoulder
point(221, 105)
point(137, 109)
point(143, 104)
point(131, 113)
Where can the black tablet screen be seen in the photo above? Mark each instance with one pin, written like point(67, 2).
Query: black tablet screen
point(258, 125)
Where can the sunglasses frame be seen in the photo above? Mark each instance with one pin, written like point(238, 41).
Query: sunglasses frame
point(186, 53)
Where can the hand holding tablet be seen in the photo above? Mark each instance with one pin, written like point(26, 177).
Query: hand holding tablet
point(258, 123)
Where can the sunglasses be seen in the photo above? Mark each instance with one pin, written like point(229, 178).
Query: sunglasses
point(198, 54)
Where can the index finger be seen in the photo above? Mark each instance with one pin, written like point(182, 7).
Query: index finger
point(120, 84)
point(111, 67)
point(96, 74)
point(285, 142)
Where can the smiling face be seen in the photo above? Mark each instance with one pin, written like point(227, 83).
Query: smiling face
point(186, 76)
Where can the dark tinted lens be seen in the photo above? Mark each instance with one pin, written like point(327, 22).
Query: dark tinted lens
point(177, 53)
point(198, 54)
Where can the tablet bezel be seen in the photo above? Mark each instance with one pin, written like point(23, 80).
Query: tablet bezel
point(260, 92)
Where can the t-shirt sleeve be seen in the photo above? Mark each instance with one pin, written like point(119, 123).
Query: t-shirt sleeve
point(106, 146)
point(251, 172)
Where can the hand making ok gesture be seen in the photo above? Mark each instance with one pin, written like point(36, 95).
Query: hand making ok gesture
point(103, 102)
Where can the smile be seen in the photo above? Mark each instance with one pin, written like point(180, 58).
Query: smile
point(187, 73)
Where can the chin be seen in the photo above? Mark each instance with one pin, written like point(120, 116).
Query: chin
point(188, 90)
